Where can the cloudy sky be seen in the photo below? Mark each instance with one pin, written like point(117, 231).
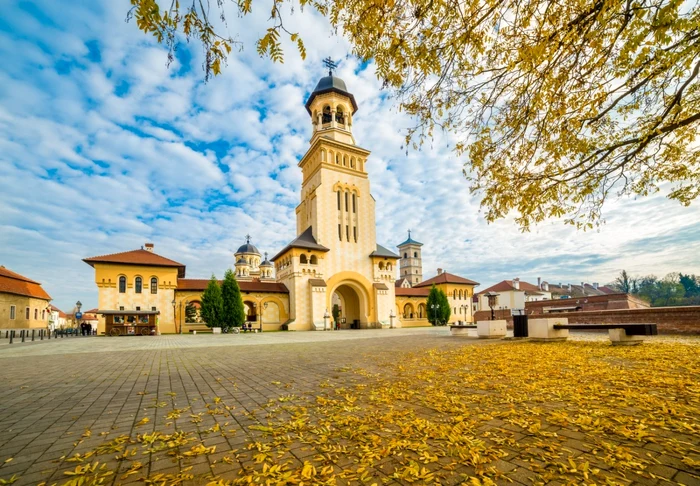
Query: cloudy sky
point(103, 148)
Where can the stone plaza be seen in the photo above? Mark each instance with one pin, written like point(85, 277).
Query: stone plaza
point(404, 406)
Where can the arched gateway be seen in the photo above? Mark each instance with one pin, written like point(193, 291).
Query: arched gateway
point(335, 258)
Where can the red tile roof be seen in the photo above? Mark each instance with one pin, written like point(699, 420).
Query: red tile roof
point(14, 283)
point(56, 309)
point(255, 286)
point(445, 277)
point(412, 292)
point(506, 285)
point(138, 257)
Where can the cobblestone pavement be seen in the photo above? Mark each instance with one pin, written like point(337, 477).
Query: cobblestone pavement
point(67, 397)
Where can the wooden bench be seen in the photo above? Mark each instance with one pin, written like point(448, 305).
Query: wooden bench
point(557, 329)
point(620, 334)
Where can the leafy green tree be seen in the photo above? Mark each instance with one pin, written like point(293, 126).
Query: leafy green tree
point(233, 307)
point(691, 284)
point(624, 283)
point(445, 309)
point(212, 304)
point(438, 307)
point(555, 106)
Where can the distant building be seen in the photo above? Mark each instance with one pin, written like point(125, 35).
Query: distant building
point(24, 304)
point(564, 291)
point(57, 318)
point(513, 294)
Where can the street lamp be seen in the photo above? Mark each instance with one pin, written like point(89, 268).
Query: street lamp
point(391, 319)
point(78, 314)
point(174, 319)
point(493, 300)
point(436, 308)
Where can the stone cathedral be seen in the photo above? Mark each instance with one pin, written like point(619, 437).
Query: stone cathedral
point(334, 262)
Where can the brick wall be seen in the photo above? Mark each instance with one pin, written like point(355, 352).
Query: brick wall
point(670, 320)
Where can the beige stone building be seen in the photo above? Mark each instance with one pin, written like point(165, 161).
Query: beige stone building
point(24, 304)
point(334, 260)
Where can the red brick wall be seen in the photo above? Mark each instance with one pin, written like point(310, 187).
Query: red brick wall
point(590, 303)
point(670, 320)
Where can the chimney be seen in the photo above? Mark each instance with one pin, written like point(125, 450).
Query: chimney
point(148, 246)
point(545, 286)
point(439, 271)
point(595, 285)
point(516, 283)
point(539, 283)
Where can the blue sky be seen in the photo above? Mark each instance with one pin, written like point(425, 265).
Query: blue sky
point(103, 147)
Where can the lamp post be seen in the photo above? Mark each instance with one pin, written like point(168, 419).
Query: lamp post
point(493, 300)
point(78, 314)
point(174, 319)
point(435, 307)
point(391, 319)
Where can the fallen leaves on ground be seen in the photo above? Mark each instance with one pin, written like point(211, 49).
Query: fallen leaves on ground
point(573, 412)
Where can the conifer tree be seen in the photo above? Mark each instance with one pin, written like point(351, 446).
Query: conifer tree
point(445, 309)
point(233, 308)
point(432, 305)
point(212, 304)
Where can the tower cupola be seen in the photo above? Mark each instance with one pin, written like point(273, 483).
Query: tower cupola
point(332, 107)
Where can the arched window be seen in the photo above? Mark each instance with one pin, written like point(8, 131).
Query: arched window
point(338, 199)
point(323, 155)
point(326, 114)
point(337, 159)
point(154, 285)
point(415, 254)
point(381, 265)
point(352, 162)
point(405, 255)
point(345, 160)
point(302, 259)
point(389, 266)
point(354, 203)
point(313, 260)
point(138, 284)
point(36, 313)
point(122, 284)
point(346, 201)
point(339, 116)
point(454, 294)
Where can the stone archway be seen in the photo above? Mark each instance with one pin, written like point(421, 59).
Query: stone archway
point(353, 305)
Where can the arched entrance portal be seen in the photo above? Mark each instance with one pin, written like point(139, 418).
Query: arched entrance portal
point(352, 306)
point(250, 311)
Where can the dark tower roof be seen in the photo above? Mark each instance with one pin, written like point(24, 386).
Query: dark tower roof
point(331, 84)
point(248, 247)
point(409, 241)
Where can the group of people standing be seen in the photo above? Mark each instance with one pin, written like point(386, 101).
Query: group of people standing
point(85, 329)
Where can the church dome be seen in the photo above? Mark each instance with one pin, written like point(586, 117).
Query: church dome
point(266, 263)
point(248, 247)
point(241, 261)
point(331, 84)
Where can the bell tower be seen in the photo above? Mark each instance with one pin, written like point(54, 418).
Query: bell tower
point(335, 199)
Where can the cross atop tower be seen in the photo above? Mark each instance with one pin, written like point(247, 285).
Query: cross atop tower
point(247, 238)
point(330, 64)
point(409, 234)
